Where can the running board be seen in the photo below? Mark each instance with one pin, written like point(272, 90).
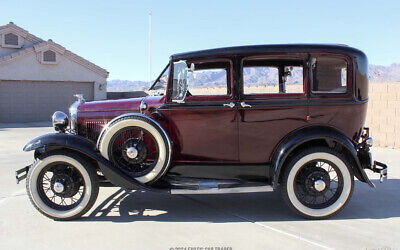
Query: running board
point(232, 190)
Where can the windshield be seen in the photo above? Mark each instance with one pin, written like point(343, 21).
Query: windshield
point(160, 85)
point(179, 85)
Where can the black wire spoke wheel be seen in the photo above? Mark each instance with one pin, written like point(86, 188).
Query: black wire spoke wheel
point(318, 184)
point(61, 186)
point(138, 146)
point(135, 150)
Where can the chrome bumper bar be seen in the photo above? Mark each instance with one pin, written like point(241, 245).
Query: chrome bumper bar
point(380, 168)
point(22, 173)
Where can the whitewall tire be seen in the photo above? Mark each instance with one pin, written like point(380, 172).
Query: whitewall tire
point(317, 183)
point(153, 129)
point(70, 190)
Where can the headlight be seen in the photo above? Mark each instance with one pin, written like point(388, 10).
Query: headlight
point(73, 110)
point(60, 121)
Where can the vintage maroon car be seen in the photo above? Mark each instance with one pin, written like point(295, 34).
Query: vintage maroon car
point(227, 120)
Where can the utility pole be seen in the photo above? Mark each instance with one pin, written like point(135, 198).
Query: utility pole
point(149, 47)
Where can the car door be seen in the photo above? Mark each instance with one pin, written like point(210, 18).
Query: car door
point(204, 126)
point(273, 103)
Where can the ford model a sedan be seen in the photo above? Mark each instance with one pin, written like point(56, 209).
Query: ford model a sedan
point(230, 120)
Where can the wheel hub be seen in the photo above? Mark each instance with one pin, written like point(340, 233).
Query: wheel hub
point(134, 151)
point(131, 152)
point(317, 181)
point(64, 185)
point(58, 187)
point(319, 185)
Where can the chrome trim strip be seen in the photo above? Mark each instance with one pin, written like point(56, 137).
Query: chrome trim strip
point(267, 188)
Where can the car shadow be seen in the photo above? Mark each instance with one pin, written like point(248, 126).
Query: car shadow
point(129, 206)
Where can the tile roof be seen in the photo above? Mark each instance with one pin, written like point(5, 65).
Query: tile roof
point(40, 45)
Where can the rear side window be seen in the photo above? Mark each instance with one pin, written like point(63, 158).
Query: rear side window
point(329, 75)
point(272, 76)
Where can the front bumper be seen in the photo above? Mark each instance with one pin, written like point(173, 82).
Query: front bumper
point(22, 173)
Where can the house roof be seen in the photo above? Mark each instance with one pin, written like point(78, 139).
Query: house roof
point(11, 27)
point(41, 45)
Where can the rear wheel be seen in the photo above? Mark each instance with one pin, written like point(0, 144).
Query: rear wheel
point(62, 185)
point(317, 183)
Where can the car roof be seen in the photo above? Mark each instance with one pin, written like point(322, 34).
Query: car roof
point(268, 48)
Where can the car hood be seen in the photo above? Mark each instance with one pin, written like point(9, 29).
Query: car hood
point(131, 104)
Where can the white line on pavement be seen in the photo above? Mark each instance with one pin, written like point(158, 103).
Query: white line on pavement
point(286, 233)
point(298, 237)
point(20, 192)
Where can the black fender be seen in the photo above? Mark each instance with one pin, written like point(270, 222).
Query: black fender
point(56, 141)
point(308, 134)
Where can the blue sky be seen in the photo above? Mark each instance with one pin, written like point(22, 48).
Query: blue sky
point(114, 34)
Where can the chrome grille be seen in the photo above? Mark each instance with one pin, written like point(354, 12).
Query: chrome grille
point(93, 129)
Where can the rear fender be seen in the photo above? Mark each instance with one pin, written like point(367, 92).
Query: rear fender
point(56, 141)
point(298, 138)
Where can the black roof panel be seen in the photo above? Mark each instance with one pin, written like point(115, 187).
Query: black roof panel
point(268, 48)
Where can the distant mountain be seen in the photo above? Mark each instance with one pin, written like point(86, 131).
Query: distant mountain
point(379, 73)
point(126, 85)
point(260, 77)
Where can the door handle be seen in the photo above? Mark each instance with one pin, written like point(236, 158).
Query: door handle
point(245, 105)
point(231, 105)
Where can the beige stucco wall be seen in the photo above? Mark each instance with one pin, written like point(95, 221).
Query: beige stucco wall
point(383, 117)
point(28, 67)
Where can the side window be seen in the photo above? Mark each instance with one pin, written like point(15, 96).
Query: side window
point(259, 80)
point(329, 75)
point(193, 80)
point(209, 82)
point(210, 79)
point(272, 76)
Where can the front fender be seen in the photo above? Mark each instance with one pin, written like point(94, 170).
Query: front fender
point(61, 140)
point(81, 145)
point(306, 135)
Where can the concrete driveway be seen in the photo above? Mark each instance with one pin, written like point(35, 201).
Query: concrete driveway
point(124, 219)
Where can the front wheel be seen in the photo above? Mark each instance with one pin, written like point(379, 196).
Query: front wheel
point(317, 183)
point(62, 185)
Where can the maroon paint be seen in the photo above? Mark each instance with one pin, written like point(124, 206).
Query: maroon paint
point(223, 135)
